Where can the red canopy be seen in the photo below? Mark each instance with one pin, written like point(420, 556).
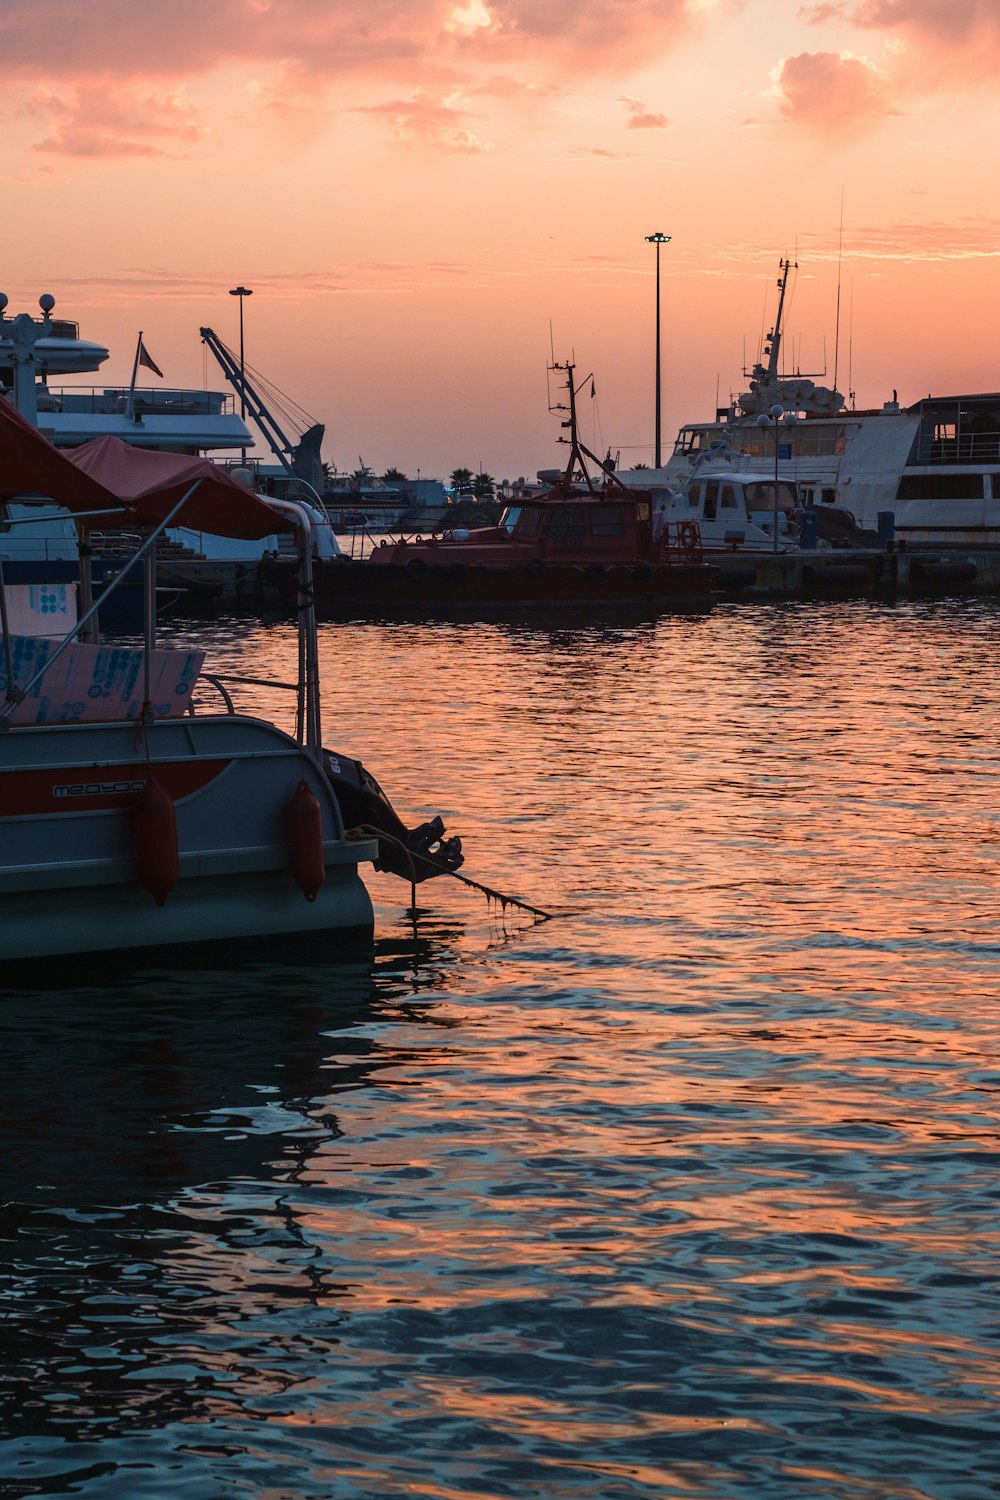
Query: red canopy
point(152, 484)
point(29, 465)
point(108, 472)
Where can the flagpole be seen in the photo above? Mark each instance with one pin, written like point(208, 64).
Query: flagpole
point(130, 409)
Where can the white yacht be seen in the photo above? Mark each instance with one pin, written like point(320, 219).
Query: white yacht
point(933, 467)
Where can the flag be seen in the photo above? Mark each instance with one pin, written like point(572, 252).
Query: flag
point(593, 390)
point(144, 358)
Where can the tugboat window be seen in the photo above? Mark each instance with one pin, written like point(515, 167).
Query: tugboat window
point(728, 497)
point(566, 521)
point(607, 520)
point(711, 500)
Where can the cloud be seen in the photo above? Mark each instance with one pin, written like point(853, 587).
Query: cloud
point(822, 89)
point(97, 121)
point(423, 118)
point(599, 153)
point(935, 44)
point(641, 118)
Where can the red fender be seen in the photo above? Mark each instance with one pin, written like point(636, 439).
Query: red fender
point(155, 830)
point(305, 837)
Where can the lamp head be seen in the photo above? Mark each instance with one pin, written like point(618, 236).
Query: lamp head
point(658, 238)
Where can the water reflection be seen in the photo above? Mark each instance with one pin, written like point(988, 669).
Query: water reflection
point(691, 1191)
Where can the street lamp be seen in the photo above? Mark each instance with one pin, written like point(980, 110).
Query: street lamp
point(241, 292)
point(780, 418)
point(657, 239)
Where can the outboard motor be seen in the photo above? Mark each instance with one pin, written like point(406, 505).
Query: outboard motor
point(363, 804)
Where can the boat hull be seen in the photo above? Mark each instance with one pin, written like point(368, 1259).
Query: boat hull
point(71, 879)
point(358, 588)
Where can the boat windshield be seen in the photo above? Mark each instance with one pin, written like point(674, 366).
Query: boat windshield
point(524, 519)
point(761, 496)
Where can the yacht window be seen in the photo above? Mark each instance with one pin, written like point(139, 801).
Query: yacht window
point(565, 521)
point(711, 499)
point(728, 497)
point(607, 520)
point(828, 497)
point(694, 495)
point(941, 486)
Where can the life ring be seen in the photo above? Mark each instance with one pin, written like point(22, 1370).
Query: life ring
point(535, 568)
point(689, 540)
point(416, 568)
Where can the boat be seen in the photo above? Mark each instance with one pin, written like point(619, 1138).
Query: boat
point(196, 568)
point(135, 819)
point(924, 474)
point(585, 542)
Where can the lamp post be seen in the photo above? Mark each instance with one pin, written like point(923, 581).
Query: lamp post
point(241, 292)
point(657, 239)
point(780, 418)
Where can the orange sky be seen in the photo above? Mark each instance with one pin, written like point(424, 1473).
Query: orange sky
point(419, 191)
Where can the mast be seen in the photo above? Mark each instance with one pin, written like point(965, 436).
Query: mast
point(774, 337)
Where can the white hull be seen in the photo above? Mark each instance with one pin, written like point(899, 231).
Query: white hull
point(69, 859)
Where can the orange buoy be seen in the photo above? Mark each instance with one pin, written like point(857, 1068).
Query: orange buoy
point(156, 840)
point(305, 834)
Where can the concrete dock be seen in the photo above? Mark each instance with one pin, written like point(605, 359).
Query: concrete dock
point(877, 573)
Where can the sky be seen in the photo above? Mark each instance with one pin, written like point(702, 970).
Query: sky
point(433, 199)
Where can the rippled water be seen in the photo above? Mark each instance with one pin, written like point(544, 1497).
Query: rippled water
point(692, 1191)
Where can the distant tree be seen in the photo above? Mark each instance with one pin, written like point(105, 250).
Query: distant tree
point(482, 486)
point(461, 479)
point(640, 466)
point(393, 476)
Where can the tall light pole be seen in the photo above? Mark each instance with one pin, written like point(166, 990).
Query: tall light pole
point(658, 239)
point(241, 292)
point(779, 417)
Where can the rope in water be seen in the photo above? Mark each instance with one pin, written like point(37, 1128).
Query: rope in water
point(365, 831)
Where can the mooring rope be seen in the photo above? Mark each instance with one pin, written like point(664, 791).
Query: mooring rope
point(365, 831)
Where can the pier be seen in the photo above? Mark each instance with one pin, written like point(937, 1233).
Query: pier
point(874, 573)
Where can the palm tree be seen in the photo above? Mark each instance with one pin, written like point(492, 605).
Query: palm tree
point(482, 486)
point(461, 479)
point(393, 476)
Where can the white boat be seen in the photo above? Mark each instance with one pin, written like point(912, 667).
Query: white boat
point(159, 419)
point(928, 472)
point(133, 820)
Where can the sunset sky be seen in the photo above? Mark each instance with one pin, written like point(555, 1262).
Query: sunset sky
point(428, 198)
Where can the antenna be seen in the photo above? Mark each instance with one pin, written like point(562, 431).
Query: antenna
point(840, 252)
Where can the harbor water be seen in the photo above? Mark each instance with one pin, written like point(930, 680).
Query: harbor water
point(692, 1190)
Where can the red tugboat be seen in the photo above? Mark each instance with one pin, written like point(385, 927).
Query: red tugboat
point(588, 543)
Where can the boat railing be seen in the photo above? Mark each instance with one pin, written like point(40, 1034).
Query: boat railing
point(218, 680)
point(960, 448)
point(114, 401)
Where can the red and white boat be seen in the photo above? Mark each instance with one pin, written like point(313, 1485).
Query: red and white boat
point(588, 542)
point(130, 822)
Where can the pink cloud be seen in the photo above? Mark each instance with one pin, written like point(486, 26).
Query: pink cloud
point(188, 37)
point(820, 89)
point(97, 121)
point(641, 118)
point(423, 118)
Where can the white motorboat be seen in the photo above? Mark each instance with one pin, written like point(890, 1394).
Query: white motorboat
point(133, 820)
point(928, 472)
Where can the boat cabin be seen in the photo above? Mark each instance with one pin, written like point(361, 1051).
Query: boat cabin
point(732, 509)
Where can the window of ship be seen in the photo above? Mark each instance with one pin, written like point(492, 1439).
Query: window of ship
point(941, 486)
point(607, 520)
point(729, 501)
point(565, 521)
point(806, 440)
point(694, 495)
point(760, 496)
point(711, 499)
point(526, 521)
